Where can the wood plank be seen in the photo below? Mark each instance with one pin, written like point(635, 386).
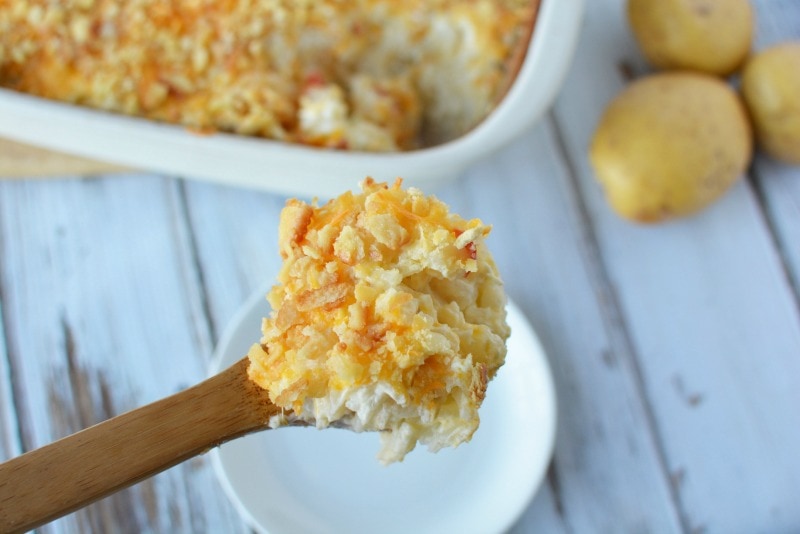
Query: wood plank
point(236, 233)
point(102, 314)
point(778, 183)
point(605, 451)
point(711, 318)
point(779, 187)
point(10, 444)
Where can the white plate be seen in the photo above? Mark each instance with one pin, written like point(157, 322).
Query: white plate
point(294, 169)
point(306, 480)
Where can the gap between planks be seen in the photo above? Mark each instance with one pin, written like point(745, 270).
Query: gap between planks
point(756, 183)
point(184, 219)
point(11, 444)
point(611, 314)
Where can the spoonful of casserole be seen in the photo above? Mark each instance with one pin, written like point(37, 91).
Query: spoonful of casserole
point(388, 316)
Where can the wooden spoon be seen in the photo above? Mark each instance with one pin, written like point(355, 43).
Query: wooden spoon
point(46, 483)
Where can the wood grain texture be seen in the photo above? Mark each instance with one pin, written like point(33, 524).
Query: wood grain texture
point(103, 312)
point(9, 437)
point(779, 187)
point(46, 483)
point(675, 348)
point(778, 183)
point(605, 451)
point(236, 245)
point(712, 321)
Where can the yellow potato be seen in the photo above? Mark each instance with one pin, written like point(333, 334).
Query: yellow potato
point(771, 90)
point(712, 36)
point(669, 145)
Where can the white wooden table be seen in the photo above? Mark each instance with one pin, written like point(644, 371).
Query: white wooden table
point(675, 348)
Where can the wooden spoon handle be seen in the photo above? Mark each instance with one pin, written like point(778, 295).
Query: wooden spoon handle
point(49, 482)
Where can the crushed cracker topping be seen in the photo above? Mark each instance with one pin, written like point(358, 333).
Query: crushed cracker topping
point(374, 75)
point(388, 315)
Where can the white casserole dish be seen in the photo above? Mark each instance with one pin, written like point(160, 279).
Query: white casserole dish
point(296, 169)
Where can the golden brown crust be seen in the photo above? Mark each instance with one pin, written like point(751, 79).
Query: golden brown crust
point(480, 384)
point(389, 312)
point(327, 73)
point(294, 220)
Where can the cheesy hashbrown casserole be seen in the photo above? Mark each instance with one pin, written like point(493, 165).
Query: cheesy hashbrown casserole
point(370, 75)
point(389, 315)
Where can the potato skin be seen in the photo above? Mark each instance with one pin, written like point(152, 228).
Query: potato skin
point(712, 36)
point(669, 145)
point(771, 90)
